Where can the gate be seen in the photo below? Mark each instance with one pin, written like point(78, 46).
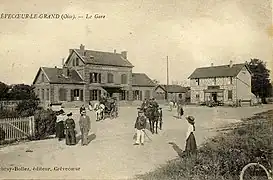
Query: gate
point(18, 128)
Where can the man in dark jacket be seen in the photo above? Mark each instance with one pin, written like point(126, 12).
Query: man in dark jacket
point(70, 135)
point(140, 126)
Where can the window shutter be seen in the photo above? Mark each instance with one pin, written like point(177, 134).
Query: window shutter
point(72, 95)
point(140, 95)
point(65, 94)
point(103, 78)
point(81, 95)
point(91, 77)
point(90, 95)
point(99, 77)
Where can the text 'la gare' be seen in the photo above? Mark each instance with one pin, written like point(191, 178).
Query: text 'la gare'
point(96, 16)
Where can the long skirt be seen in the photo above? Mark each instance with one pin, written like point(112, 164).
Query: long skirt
point(60, 130)
point(191, 146)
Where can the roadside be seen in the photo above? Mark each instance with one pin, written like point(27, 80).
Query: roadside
point(224, 156)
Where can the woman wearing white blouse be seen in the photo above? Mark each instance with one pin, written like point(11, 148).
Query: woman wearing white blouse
point(191, 146)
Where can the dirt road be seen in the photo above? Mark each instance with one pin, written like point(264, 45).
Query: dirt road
point(111, 154)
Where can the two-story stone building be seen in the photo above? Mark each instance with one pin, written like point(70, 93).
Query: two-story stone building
point(85, 75)
point(226, 83)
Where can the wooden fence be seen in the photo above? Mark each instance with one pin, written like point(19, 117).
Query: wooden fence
point(18, 128)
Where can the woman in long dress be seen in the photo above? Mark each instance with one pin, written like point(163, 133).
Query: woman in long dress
point(191, 147)
point(60, 125)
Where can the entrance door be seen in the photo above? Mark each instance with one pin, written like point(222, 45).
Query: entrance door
point(214, 97)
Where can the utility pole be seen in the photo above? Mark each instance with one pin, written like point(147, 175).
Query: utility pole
point(167, 98)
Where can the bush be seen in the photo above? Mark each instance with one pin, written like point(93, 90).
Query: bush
point(224, 156)
point(45, 122)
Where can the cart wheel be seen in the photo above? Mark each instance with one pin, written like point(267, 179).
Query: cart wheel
point(254, 164)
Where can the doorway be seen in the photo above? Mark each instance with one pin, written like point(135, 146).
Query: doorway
point(214, 97)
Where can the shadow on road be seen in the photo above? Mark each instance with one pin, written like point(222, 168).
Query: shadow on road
point(177, 149)
point(90, 138)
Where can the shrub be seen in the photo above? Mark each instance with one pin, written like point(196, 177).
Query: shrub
point(45, 121)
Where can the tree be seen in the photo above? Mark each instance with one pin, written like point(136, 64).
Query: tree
point(260, 82)
point(3, 90)
point(21, 92)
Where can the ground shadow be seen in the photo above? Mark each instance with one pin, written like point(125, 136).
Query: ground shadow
point(177, 149)
point(90, 138)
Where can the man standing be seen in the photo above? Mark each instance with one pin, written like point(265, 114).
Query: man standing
point(70, 135)
point(85, 126)
point(140, 126)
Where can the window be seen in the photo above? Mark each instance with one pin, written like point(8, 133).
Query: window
point(230, 80)
point(110, 78)
point(47, 94)
point(123, 95)
point(73, 62)
point(62, 94)
point(137, 95)
point(38, 93)
point(77, 61)
point(43, 94)
point(95, 78)
point(229, 94)
point(197, 82)
point(123, 79)
point(197, 96)
point(43, 78)
point(95, 94)
point(214, 81)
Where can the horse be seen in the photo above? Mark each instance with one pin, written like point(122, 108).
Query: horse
point(153, 116)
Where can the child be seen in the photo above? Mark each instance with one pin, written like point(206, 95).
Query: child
point(140, 126)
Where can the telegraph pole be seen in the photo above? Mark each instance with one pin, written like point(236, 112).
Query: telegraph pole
point(167, 78)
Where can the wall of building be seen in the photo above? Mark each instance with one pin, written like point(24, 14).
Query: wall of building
point(150, 91)
point(222, 82)
point(243, 81)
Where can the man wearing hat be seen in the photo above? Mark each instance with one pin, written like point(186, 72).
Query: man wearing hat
point(191, 146)
point(70, 134)
point(60, 125)
point(140, 126)
point(85, 126)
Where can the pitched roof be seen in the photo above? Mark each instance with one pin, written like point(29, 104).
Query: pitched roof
point(55, 75)
point(103, 58)
point(217, 71)
point(141, 79)
point(174, 88)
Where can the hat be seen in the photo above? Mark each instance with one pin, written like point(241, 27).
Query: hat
point(69, 114)
point(61, 112)
point(190, 119)
point(140, 111)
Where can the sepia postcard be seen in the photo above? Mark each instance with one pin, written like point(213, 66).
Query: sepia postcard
point(155, 89)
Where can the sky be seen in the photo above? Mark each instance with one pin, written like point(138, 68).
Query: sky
point(192, 33)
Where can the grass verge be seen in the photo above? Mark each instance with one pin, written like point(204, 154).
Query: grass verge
point(224, 156)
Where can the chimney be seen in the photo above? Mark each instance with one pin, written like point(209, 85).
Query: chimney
point(230, 64)
point(211, 64)
point(124, 54)
point(82, 49)
point(115, 51)
point(65, 71)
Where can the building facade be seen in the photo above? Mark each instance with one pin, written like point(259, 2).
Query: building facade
point(85, 76)
point(227, 84)
point(171, 92)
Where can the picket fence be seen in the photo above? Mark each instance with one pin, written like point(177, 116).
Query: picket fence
point(18, 128)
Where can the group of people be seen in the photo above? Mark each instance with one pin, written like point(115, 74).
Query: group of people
point(141, 125)
point(65, 127)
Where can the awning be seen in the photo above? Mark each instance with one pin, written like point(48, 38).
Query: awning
point(214, 90)
point(112, 89)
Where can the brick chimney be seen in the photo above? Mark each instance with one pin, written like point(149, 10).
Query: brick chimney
point(65, 71)
point(115, 51)
point(211, 64)
point(124, 54)
point(82, 49)
point(230, 64)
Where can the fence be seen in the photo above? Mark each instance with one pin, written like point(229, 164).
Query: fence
point(18, 128)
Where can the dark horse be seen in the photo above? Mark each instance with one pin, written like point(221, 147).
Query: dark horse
point(153, 115)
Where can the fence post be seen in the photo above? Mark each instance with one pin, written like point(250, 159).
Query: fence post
point(30, 126)
point(33, 125)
